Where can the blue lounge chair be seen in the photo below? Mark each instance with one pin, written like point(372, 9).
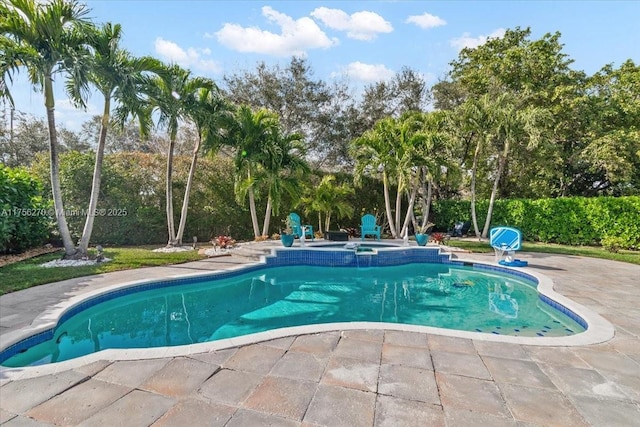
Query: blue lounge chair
point(368, 227)
point(296, 227)
point(506, 240)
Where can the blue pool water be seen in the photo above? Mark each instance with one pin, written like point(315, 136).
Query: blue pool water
point(429, 294)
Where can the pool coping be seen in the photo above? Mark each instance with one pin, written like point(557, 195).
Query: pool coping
point(599, 329)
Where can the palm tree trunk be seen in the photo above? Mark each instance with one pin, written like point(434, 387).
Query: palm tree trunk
point(63, 227)
point(320, 222)
point(501, 162)
point(187, 191)
point(427, 209)
point(399, 206)
point(169, 193)
point(387, 204)
point(254, 214)
point(474, 169)
point(267, 217)
point(327, 220)
point(97, 176)
point(407, 217)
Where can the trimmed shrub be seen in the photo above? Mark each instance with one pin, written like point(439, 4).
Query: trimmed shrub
point(614, 221)
point(24, 216)
point(131, 205)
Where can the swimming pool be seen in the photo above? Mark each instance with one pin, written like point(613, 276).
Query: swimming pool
point(415, 286)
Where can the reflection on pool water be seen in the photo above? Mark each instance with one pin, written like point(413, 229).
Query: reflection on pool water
point(428, 294)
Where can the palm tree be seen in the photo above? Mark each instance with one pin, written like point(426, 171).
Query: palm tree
point(411, 154)
point(513, 125)
point(496, 125)
point(472, 122)
point(374, 154)
point(396, 148)
point(168, 95)
point(422, 142)
point(281, 169)
point(47, 39)
point(116, 75)
point(249, 135)
point(211, 114)
point(327, 198)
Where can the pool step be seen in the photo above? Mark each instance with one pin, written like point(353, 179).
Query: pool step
point(251, 252)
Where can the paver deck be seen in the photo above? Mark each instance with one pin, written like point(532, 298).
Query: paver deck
point(351, 378)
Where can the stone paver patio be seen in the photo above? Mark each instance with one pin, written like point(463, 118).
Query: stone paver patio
point(351, 377)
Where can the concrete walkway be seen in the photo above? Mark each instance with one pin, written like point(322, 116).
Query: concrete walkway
point(350, 378)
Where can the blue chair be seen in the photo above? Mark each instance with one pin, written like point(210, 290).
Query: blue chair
point(296, 227)
point(368, 227)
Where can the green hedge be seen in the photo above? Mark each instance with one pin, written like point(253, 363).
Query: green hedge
point(24, 216)
point(611, 221)
point(132, 198)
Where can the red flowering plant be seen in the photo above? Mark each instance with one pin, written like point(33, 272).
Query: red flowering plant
point(223, 242)
point(438, 237)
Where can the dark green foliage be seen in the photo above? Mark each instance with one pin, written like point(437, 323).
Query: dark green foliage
point(611, 221)
point(131, 205)
point(24, 216)
point(368, 198)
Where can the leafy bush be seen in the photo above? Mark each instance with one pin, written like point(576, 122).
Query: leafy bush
point(131, 205)
point(24, 216)
point(610, 221)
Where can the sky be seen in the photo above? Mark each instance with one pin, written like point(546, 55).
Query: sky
point(364, 41)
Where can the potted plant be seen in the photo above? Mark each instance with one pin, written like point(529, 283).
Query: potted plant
point(286, 236)
point(422, 234)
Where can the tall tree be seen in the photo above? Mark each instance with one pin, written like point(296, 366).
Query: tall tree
point(538, 73)
point(117, 76)
point(29, 136)
point(471, 124)
point(168, 95)
point(374, 156)
point(448, 94)
point(515, 127)
point(319, 111)
point(496, 127)
point(211, 114)
point(612, 154)
point(249, 135)
point(434, 155)
point(328, 198)
point(281, 169)
point(399, 149)
point(47, 39)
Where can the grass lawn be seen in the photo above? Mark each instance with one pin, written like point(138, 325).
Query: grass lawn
point(24, 274)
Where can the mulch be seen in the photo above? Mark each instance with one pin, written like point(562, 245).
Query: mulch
point(31, 253)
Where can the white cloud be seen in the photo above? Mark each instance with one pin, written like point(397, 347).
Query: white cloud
point(363, 25)
point(426, 21)
point(193, 58)
point(72, 117)
point(472, 42)
point(368, 73)
point(295, 38)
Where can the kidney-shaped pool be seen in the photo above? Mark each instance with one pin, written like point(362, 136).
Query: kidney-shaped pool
point(303, 287)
